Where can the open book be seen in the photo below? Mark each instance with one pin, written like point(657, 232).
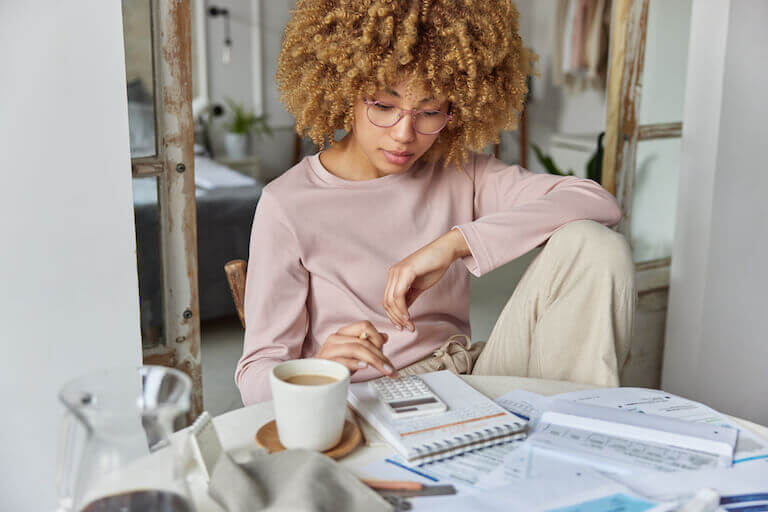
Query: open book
point(472, 421)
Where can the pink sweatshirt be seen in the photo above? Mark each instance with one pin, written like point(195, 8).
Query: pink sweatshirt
point(321, 247)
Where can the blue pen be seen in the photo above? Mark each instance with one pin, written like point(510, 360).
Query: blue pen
point(521, 416)
point(741, 498)
point(756, 457)
point(428, 477)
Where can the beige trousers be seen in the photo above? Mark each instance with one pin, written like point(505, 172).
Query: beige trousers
point(569, 318)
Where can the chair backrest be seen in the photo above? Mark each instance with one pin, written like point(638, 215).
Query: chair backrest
point(235, 271)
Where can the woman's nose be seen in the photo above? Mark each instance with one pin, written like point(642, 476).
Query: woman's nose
point(403, 131)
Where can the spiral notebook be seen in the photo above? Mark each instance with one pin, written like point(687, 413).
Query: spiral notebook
point(472, 421)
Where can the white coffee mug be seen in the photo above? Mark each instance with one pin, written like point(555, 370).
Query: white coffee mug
point(310, 417)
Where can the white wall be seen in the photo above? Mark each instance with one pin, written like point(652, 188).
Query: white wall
point(68, 283)
point(716, 348)
point(275, 152)
point(232, 79)
point(552, 109)
point(236, 79)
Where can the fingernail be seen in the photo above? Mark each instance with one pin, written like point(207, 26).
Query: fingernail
point(411, 328)
point(362, 364)
point(405, 317)
point(399, 327)
point(387, 368)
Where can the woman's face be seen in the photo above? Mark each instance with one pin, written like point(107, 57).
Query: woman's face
point(395, 149)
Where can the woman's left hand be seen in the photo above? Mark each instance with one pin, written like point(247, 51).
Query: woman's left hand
point(418, 272)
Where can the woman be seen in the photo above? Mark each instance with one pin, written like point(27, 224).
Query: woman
point(361, 253)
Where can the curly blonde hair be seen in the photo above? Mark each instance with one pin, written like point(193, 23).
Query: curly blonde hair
point(336, 52)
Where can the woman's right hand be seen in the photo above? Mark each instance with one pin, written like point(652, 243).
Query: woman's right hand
point(358, 346)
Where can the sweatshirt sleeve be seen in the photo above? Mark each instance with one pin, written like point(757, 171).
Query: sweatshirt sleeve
point(516, 210)
point(276, 317)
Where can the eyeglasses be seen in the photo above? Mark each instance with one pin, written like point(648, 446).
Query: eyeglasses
point(426, 122)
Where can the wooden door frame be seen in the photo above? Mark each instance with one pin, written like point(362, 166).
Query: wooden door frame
point(173, 165)
point(629, 24)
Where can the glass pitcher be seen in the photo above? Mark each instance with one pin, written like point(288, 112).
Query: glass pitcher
point(116, 451)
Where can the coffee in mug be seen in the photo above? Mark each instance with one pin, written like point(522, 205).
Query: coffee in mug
point(310, 379)
point(310, 402)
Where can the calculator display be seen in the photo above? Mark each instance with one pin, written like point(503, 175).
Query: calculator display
point(411, 403)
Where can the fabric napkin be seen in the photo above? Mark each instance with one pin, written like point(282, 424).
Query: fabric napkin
point(290, 481)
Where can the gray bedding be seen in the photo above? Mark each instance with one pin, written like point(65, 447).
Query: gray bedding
point(224, 218)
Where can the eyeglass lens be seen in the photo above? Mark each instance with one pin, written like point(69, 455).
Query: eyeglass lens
point(383, 115)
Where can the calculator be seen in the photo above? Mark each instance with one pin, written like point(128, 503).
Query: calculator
point(407, 396)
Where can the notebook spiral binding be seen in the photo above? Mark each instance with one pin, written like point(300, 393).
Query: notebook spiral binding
point(432, 452)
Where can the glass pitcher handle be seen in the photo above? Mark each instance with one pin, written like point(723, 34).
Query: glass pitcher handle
point(70, 450)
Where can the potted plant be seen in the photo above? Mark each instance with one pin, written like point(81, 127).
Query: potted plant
point(594, 169)
point(242, 123)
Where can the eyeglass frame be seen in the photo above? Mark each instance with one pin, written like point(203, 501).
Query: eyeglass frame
point(403, 112)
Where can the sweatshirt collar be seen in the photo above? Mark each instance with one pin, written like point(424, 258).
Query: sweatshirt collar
point(331, 179)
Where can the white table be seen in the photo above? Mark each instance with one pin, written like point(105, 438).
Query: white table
point(237, 428)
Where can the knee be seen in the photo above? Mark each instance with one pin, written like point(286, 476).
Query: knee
point(597, 246)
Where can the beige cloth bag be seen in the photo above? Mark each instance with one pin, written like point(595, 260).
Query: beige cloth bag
point(458, 355)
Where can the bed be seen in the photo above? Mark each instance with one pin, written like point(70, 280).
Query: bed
point(226, 202)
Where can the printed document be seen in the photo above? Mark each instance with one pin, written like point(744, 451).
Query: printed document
point(623, 441)
point(482, 468)
point(527, 495)
point(653, 401)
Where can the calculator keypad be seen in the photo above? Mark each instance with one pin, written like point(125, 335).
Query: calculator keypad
point(407, 396)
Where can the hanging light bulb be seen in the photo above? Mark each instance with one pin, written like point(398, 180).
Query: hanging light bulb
point(226, 52)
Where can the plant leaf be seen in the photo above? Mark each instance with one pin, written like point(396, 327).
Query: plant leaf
point(548, 163)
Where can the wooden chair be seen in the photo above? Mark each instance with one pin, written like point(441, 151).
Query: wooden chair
point(235, 271)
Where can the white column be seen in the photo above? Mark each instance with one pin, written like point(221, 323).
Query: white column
point(68, 280)
point(717, 326)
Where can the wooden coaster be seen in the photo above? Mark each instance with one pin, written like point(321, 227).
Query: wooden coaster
point(267, 438)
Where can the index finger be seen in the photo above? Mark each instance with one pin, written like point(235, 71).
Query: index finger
point(389, 299)
point(401, 305)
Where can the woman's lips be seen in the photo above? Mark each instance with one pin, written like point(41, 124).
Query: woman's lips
point(397, 158)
